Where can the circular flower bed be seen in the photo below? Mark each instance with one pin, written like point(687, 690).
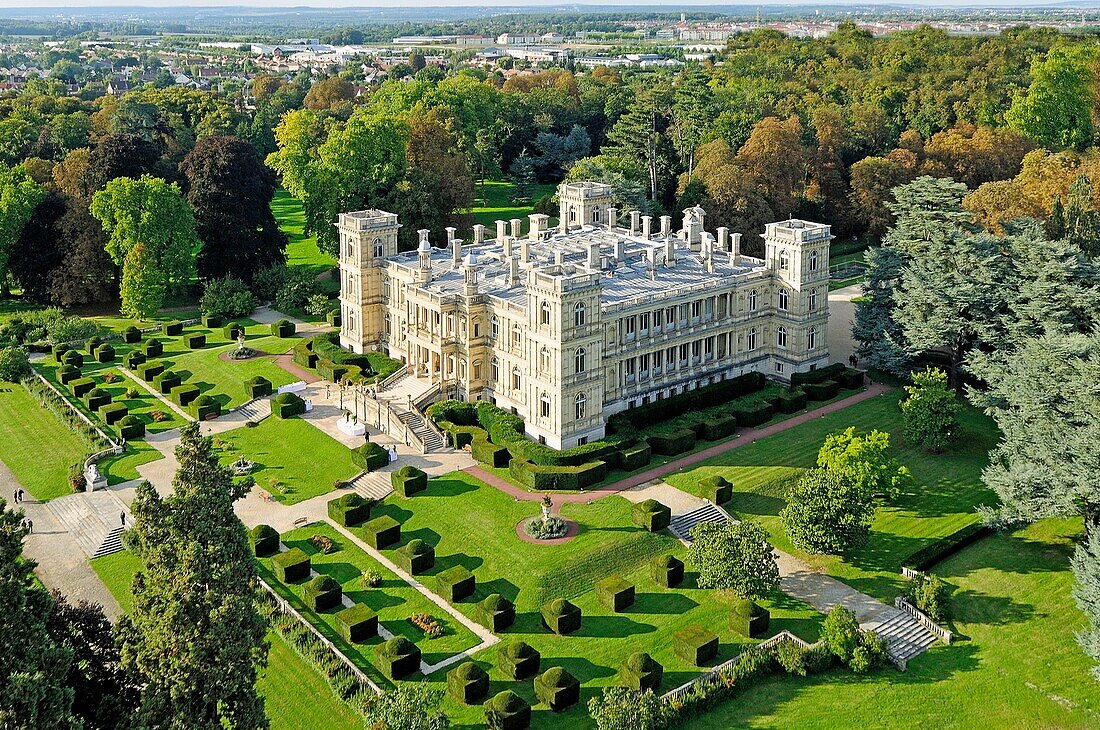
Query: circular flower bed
point(242, 353)
point(549, 528)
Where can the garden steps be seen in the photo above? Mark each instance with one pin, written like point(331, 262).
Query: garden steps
point(373, 485)
point(255, 410)
point(682, 525)
point(93, 519)
point(905, 637)
point(432, 441)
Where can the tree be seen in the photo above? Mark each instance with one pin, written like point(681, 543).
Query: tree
point(1056, 110)
point(559, 151)
point(930, 411)
point(19, 196)
point(487, 156)
point(329, 93)
point(735, 557)
point(1086, 573)
point(692, 112)
point(33, 693)
point(230, 191)
point(438, 164)
point(879, 334)
point(408, 707)
point(14, 365)
point(826, 513)
point(86, 274)
point(522, 174)
point(1080, 221)
point(863, 461)
point(228, 298)
point(142, 289)
point(119, 155)
point(622, 708)
point(638, 133)
point(873, 182)
point(37, 252)
point(840, 632)
point(776, 162)
point(194, 636)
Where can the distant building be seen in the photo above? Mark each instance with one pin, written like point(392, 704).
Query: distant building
point(514, 39)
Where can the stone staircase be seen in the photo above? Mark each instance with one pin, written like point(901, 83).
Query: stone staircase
point(255, 410)
point(374, 485)
point(395, 382)
point(432, 441)
point(93, 519)
point(905, 637)
point(682, 525)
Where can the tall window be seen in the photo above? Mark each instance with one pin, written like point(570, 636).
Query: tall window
point(813, 300)
point(544, 360)
point(578, 315)
point(752, 339)
point(379, 249)
point(811, 338)
point(579, 360)
point(580, 405)
point(517, 383)
point(544, 406)
point(494, 327)
point(784, 260)
point(477, 369)
point(596, 215)
point(812, 260)
point(517, 335)
point(781, 337)
point(544, 313)
point(752, 300)
point(784, 299)
point(494, 370)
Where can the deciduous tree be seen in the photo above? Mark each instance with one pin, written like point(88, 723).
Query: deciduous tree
point(826, 513)
point(735, 557)
point(931, 410)
point(19, 196)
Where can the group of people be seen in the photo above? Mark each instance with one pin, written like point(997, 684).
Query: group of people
point(17, 497)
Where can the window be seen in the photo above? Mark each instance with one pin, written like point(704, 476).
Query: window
point(631, 326)
point(579, 364)
point(643, 364)
point(671, 357)
point(784, 299)
point(477, 370)
point(494, 370)
point(580, 404)
point(517, 335)
point(658, 360)
point(379, 249)
point(643, 321)
point(629, 367)
point(811, 260)
point(695, 310)
point(813, 300)
point(781, 337)
point(752, 339)
point(477, 328)
point(388, 324)
point(752, 300)
point(578, 315)
point(779, 367)
point(517, 382)
point(544, 406)
point(494, 327)
point(596, 215)
point(657, 319)
point(811, 338)
point(572, 214)
point(544, 313)
point(544, 360)
point(784, 260)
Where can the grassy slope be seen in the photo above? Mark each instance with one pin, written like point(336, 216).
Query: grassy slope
point(498, 204)
point(35, 445)
point(301, 250)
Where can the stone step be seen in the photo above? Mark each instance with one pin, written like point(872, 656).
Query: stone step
point(373, 485)
point(93, 519)
point(682, 525)
point(905, 637)
point(256, 410)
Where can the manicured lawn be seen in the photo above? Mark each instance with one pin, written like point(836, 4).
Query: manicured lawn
point(498, 204)
point(123, 468)
point(1017, 666)
point(301, 250)
point(942, 498)
point(118, 323)
point(472, 524)
point(117, 573)
point(300, 459)
point(36, 445)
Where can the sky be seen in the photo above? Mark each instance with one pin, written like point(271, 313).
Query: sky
point(557, 4)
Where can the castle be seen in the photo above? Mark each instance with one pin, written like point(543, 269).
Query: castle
point(566, 326)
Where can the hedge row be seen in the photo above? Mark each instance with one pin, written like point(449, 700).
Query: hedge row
point(930, 555)
point(847, 377)
point(536, 476)
point(691, 400)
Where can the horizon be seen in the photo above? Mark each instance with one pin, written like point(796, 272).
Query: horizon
point(697, 5)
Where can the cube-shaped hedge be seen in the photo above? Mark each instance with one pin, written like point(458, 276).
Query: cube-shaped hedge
point(72, 357)
point(416, 556)
point(518, 660)
point(495, 612)
point(96, 398)
point(185, 394)
point(105, 353)
point(81, 386)
point(172, 329)
point(558, 689)
point(133, 359)
point(333, 317)
point(370, 456)
point(456, 583)
point(232, 330)
point(91, 344)
point(165, 381)
point(153, 348)
point(131, 335)
point(212, 321)
point(291, 566)
point(264, 540)
point(59, 350)
point(641, 672)
point(635, 457)
point(651, 515)
point(509, 711)
point(149, 370)
point(195, 340)
point(357, 623)
point(749, 619)
point(282, 328)
point(695, 645)
point(615, 593)
point(112, 413)
point(205, 407)
point(561, 616)
point(821, 391)
point(382, 532)
point(667, 570)
point(349, 509)
point(67, 374)
point(131, 427)
point(259, 386)
point(717, 489)
point(287, 405)
point(322, 592)
point(467, 683)
point(408, 480)
point(398, 657)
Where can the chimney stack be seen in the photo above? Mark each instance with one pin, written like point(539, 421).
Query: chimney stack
point(538, 223)
point(670, 251)
point(594, 256)
point(479, 234)
point(706, 245)
point(723, 238)
point(525, 251)
point(513, 271)
point(634, 218)
point(647, 224)
point(620, 251)
point(516, 223)
point(735, 248)
point(456, 248)
point(612, 218)
point(666, 225)
point(558, 258)
point(651, 263)
point(502, 230)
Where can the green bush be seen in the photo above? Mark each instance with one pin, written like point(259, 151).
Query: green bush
point(149, 370)
point(205, 407)
point(322, 593)
point(333, 318)
point(749, 416)
point(91, 344)
point(287, 405)
point(105, 353)
point(153, 348)
point(641, 672)
point(185, 394)
point(303, 354)
point(667, 570)
point(131, 335)
point(333, 372)
point(131, 427)
point(931, 555)
point(225, 297)
point(495, 612)
point(719, 427)
point(556, 478)
point(349, 509)
point(716, 488)
point(264, 540)
point(67, 374)
point(258, 387)
point(195, 340)
point(133, 359)
point(558, 689)
point(518, 660)
point(651, 515)
point(165, 381)
point(382, 532)
point(672, 442)
point(486, 452)
point(282, 328)
point(398, 657)
point(232, 330)
point(212, 321)
point(96, 398)
point(81, 386)
point(73, 358)
point(635, 457)
point(507, 711)
point(749, 619)
point(59, 351)
point(615, 593)
point(929, 594)
point(357, 623)
point(172, 329)
point(112, 413)
point(416, 557)
point(819, 375)
point(408, 480)
point(821, 391)
point(370, 456)
point(561, 616)
point(692, 400)
point(467, 683)
point(695, 645)
point(456, 583)
point(292, 566)
point(791, 401)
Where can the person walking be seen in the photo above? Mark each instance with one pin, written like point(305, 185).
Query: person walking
point(30, 527)
point(122, 516)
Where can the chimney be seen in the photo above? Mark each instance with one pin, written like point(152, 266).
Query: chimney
point(594, 256)
point(507, 246)
point(634, 217)
point(423, 234)
point(647, 224)
point(620, 251)
point(612, 218)
point(479, 234)
point(706, 246)
point(723, 238)
point(524, 251)
point(735, 248)
point(456, 248)
point(666, 225)
point(651, 263)
point(558, 258)
point(670, 251)
point(513, 271)
point(502, 231)
point(538, 223)
point(516, 223)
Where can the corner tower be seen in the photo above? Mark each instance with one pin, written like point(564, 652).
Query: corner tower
point(367, 238)
point(583, 204)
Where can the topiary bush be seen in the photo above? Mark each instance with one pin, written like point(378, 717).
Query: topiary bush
point(165, 381)
point(749, 619)
point(467, 683)
point(558, 689)
point(133, 359)
point(232, 330)
point(791, 401)
point(357, 623)
point(641, 672)
point(518, 660)
point(349, 509)
point(667, 570)
point(105, 353)
point(185, 394)
point(651, 515)
point(149, 370)
point(258, 387)
point(264, 540)
point(382, 532)
point(196, 340)
point(398, 657)
point(672, 442)
point(96, 398)
point(408, 480)
point(91, 344)
point(287, 405)
point(456, 583)
point(719, 427)
point(561, 616)
point(370, 456)
point(717, 489)
point(73, 358)
point(153, 348)
point(333, 318)
point(205, 407)
point(282, 328)
point(172, 329)
point(749, 416)
point(615, 592)
point(507, 711)
point(112, 413)
point(67, 374)
point(821, 391)
point(131, 335)
point(212, 321)
point(81, 386)
point(416, 557)
point(131, 427)
point(322, 593)
point(636, 456)
point(292, 566)
point(695, 645)
point(495, 612)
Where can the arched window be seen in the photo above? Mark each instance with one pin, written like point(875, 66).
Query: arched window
point(752, 300)
point(388, 324)
point(379, 249)
point(517, 334)
point(813, 300)
point(477, 327)
point(544, 313)
point(544, 360)
point(494, 370)
point(781, 337)
point(812, 260)
point(784, 299)
point(580, 404)
point(517, 383)
point(494, 327)
point(578, 315)
point(752, 339)
point(784, 260)
point(579, 364)
point(572, 214)
point(811, 338)
point(544, 405)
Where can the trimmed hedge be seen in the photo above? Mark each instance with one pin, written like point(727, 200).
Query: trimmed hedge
point(304, 354)
point(232, 330)
point(292, 566)
point(172, 329)
point(495, 612)
point(692, 400)
point(651, 515)
point(930, 555)
point(185, 394)
point(370, 456)
point(349, 509)
point(165, 381)
point(264, 540)
point(749, 416)
point(667, 571)
point(205, 407)
point(561, 616)
point(672, 442)
point(96, 398)
point(113, 412)
point(322, 593)
point(558, 689)
point(153, 348)
point(557, 477)
point(91, 344)
point(821, 391)
point(845, 376)
point(456, 583)
point(636, 456)
point(149, 370)
point(196, 340)
point(72, 357)
point(641, 672)
point(131, 335)
point(408, 480)
point(398, 657)
point(716, 488)
point(511, 711)
point(135, 358)
point(518, 660)
point(749, 619)
point(719, 427)
point(67, 374)
point(695, 645)
point(59, 350)
point(287, 405)
point(615, 593)
point(333, 318)
point(357, 623)
point(467, 683)
point(416, 557)
point(212, 321)
point(382, 532)
point(105, 353)
point(282, 328)
point(82, 386)
point(485, 451)
point(131, 427)
point(259, 386)
point(791, 401)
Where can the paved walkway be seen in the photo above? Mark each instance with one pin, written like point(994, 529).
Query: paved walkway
point(842, 313)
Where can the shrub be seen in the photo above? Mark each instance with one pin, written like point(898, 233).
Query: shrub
point(131, 427)
point(615, 593)
point(382, 532)
point(105, 353)
point(495, 612)
point(692, 400)
point(749, 619)
point(149, 370)
point(556, 478)
point(232, 331)
point(696, 645)
point(930, 555)
point(415, 557)
point(82, 386)
point(349, 509)
point(357, 623)
point(131, 335)
point(165, 381)
point(749, 416)
point(205, 407)
point(333, 318)
point(641, 672)
point(264, 540)
point(791, 401)
point(297, 286)
point(558, 689)
point(212, 321)
point(195, 340)
point(59, 351)
point(635, 457)
point(282, 328)
point(172, 329)
point(91, 344)
point(717, 489)
point(96, 398)
point(792, 657)
point(486, 452)
point(408, 480)
point(185, 394)
point(930, 594)
point(829, 372)
point(225, 298)
point(870, 654)
point(292, 565)
point(153, 348)
point(667, 570)
point(840, 633)
point(370, 456)
point(322, 593)
point(821, 391)
point(507, 711)
point(72, 357)
point(323, 543)
point(133, 359)
point(456, 583)
point(65, 374)
point(672, 442)
point(398, 657)
point(287, 405)
point(304, 355)
point(651, 515)
point(518, 660)
point(113, 412)
point(259, 386)
point(372, 578)
point(467, 683)
point(719, 427)
point(561, 616)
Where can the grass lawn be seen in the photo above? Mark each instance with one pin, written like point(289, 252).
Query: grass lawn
point(295, 460)
point(296, 694)
point(498, 205)
point(301, 250)
point(117, 322)
point(483, 539)
point(123, 468)
point(36, 445)
point(1017, 666)
point(941, 499)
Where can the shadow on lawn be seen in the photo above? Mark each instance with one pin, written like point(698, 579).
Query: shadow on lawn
point(612, 627)
point(447, 488)
point(661, 604)
point(972, 607)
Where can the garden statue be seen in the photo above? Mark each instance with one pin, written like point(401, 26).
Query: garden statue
point(547, 503)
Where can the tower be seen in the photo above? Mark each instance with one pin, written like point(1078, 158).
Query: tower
point(583, 204)
point(367, 238)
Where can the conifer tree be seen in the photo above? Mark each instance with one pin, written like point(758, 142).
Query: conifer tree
point(1086, 571)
